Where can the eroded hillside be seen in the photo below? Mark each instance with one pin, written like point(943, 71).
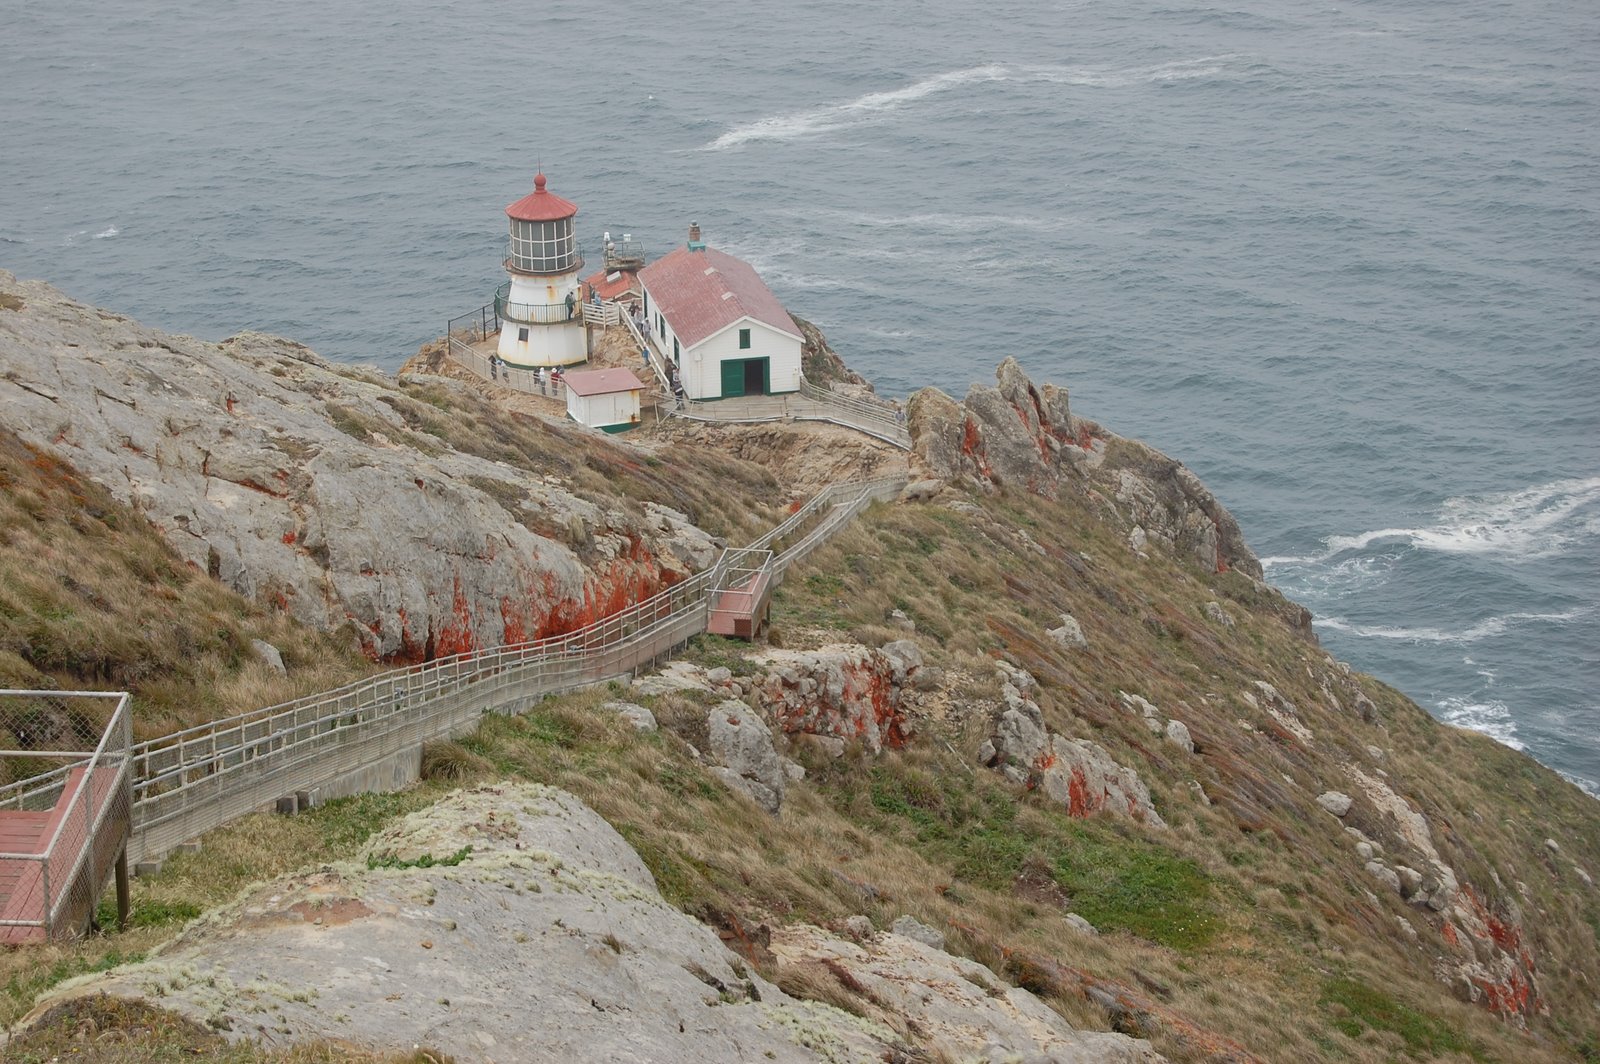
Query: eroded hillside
point(1041, 706)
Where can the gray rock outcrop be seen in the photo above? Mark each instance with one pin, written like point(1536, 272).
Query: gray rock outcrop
point(318, 488)
point(911, 927)
point(1016, 433)
point(1335, 802)
point(959, 1008)
point(635, 714)
point(1077, 773)
point(741, 747)
point(845, 691)
point(546, 941)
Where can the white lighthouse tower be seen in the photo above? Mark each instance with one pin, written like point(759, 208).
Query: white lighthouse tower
point(541, 307)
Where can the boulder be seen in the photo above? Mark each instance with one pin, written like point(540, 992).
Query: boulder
point(1078, 923)
point(912, 928)
point(1335, 802)
point(1384, 874)
point(1178, 735)
point(905, 658)
point(741, 744)
point(1069, 635)
point(269, 656)
point(637, 715)
point(844, 691)
point(1083, 777)
point(1215, 612)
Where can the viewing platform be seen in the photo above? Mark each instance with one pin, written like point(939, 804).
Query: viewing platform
point(65, 823)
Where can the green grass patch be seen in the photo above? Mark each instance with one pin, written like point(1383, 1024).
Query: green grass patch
point(148, 913)
point(427, 860)
point(347, 823)
point(1360, 1007)
point(1132, 885)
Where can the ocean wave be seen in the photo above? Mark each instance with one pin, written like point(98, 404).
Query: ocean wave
point(862, 108)
point(1535, 522)
point(106, 233)
point(875, 105)
point(1492, 718)
point(1484, 629)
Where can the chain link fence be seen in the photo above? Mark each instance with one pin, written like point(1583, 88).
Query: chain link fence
point(65, 807)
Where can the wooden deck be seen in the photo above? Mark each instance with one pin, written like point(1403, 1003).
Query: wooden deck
point(67, 898)
point(740, 610)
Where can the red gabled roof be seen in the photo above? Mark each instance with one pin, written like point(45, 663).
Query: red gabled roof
point(601, 381)
point(703, 292)
point(541, 206)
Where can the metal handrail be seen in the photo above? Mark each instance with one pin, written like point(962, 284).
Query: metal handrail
point(101, 791)
point(194, 779)
point(535, 313)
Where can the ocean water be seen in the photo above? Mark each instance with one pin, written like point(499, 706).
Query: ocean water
point(1339, 259)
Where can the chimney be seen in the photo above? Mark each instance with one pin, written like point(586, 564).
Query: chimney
point(695, 243)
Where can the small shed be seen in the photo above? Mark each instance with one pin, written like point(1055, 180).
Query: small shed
point(604, 398)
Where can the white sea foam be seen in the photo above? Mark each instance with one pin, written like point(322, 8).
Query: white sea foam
point(107, 232)
point(1484, 629)
point(1536, 522)
point(874, 106)
point(862, 108)
point(1492, 718)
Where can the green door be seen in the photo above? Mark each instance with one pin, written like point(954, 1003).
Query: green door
point(732, 377)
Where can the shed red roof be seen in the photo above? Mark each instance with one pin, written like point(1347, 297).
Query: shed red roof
point(609, 290)
point(601, 381)
point(541, 206)
point(703, 292)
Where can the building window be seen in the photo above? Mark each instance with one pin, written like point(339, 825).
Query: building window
point(647, 303)
point(522, 334)
point(674, 349)
point(744, 339)
point(661, 326)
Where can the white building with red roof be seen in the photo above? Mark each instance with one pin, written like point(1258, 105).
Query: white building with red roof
point(717, 322)
point(541, 319)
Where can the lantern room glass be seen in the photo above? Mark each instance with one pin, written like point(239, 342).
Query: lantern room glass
point(542, 247)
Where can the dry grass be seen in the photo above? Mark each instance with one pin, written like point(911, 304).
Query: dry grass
point(1251, 913)
point(91, 596)
point(102, 1030)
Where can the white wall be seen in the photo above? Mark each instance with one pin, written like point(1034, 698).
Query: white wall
point(702, 365)
point(547, 345)
point(600, 411)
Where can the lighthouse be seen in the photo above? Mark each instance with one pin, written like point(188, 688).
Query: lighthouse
point(541, 306)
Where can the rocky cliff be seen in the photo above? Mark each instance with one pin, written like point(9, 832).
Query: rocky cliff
point(411, 511)
point(1020, 434)
point(1030, 757)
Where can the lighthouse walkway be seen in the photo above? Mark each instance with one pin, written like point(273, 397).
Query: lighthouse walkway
point(472, 340)
point(364, 736)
